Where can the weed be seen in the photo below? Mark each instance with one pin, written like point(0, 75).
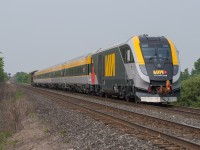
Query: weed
point(3, 138)
point(63, 132)
point(18, 95)
point(13, 143)
point(32, 115)
point(46, 130)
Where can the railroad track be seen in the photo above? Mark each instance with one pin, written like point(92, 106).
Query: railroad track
point(185, 111)
point(163, 133)
point(188, 110)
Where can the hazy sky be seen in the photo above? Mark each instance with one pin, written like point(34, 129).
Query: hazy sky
point(35, 34)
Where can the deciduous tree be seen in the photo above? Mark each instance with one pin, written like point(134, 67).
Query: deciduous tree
point(185, 74)
point(1, 69)
point(190, 92)
point(22, 77)
point(196, 69)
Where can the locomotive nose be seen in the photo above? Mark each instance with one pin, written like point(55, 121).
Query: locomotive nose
point(160, 89)
point(159, 63)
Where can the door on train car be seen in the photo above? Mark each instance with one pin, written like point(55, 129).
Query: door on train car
point(114, 74)
point(100, 69)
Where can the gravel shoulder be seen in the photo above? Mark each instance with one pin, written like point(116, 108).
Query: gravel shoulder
point(52, 126)
point(79, 131)
point(178, 118)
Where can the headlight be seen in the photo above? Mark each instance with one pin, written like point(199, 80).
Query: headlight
point(175, 70)
point(143, 69)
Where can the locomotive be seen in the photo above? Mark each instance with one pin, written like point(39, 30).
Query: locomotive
point(142, 68)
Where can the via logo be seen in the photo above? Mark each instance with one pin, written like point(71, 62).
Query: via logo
point(159, 72)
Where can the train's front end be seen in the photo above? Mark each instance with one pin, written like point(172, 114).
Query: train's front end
point(157, 69)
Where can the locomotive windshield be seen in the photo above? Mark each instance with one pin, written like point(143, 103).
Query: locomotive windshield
point(156, 51)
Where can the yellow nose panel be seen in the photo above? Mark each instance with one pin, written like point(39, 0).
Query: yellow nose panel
point(174, 53)
point(138, 52)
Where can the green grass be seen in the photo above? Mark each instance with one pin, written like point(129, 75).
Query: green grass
point(63, 132)
point(46, 130)
point(32, 115)
point(18, 95)
point(3, 138)
point(188, 103)
point(13, 143)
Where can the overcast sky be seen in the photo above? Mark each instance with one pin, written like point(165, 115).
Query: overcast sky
point(35, 34)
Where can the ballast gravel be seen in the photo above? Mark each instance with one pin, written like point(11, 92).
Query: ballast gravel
point(79, 131)
point(178, 118)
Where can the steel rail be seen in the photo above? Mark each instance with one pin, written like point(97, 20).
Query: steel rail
point(173, 139)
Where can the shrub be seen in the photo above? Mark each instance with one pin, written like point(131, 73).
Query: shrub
point(190, 92)
point(3, 137)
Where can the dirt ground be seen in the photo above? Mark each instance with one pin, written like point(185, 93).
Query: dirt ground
point(37, 123)
point(18, 116)
point(35, 135)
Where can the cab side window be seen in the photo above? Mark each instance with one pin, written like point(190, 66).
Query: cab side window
point(127, 54)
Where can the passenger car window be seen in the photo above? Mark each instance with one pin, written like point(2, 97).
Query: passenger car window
point(127, 54)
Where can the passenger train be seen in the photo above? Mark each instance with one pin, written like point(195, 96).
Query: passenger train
point(143, 68)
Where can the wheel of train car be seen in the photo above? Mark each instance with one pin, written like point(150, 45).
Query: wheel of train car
point(127, 98)
point(107, 95)
point(102, 94)
point(137, 100)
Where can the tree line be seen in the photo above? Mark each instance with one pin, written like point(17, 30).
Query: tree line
point(190, 86)
point(3, 75)
point(22, 77)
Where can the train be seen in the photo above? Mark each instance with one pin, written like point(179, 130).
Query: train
point(143, 68)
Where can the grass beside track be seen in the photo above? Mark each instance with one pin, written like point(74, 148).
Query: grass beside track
point(3, 138)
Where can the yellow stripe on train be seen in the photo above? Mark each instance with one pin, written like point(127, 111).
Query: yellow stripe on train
point(174, 52)
point(138, 51)
point(110, 65)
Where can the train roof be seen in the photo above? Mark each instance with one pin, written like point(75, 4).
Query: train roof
point(77, 59)
point(111, 46)
point(66, 64)
point(56, 67)
point(142, 37)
